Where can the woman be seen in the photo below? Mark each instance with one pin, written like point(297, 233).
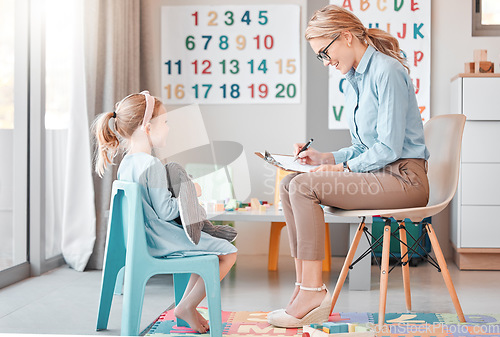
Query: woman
point(384, 168)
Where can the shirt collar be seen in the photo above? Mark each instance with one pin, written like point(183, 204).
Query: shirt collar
point(363, 64)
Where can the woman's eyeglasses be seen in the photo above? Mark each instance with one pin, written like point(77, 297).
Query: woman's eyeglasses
point(322, 55)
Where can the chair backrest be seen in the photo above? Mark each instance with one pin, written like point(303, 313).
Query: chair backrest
point(126, 219)
point(443, 137)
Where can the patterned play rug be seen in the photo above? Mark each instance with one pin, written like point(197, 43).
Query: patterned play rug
point(248, 323)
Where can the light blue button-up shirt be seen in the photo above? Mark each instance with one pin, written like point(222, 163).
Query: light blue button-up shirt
point(383, 114)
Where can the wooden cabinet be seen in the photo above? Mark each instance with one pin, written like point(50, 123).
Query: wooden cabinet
point(475, 209)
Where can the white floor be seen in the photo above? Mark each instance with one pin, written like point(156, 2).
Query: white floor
point(64, 301)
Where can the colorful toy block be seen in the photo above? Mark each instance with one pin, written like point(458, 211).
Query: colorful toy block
point(337, 329)
point(255, 203)
point(231, 205)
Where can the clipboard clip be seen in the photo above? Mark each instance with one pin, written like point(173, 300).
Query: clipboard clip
point(269, 158)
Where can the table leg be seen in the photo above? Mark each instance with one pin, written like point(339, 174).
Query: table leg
point(327, 262)
point(274, 244)
point(360, 275)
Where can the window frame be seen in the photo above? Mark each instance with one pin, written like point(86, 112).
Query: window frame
point(478, 29)
point(21, 266)
point(39, 264)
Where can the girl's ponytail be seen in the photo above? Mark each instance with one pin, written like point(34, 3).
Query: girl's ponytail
point(385, 43)
point(107, 141)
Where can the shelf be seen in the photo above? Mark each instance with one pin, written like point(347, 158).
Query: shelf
point(475, 75)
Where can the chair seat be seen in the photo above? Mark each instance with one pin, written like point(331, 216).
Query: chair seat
point(415, 214)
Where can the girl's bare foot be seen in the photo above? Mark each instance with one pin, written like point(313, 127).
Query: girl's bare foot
point(192, 317)
point(203, 321)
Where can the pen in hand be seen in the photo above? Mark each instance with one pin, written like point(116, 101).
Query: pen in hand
point(305, 147)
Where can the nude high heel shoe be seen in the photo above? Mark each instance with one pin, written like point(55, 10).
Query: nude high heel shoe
point(279, 310)
point(317, 315)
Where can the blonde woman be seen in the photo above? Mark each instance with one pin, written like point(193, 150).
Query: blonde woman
point(384, 168)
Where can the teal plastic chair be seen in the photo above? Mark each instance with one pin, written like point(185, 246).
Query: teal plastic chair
point(126, 248)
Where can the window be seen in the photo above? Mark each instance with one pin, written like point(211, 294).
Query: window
point(13, 140)
point(485, 18)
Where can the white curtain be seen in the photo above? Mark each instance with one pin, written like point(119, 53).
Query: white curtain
point(79, 221)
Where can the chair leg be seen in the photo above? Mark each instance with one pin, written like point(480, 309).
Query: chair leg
point(445, 272)
point(212, 288)
point(405, 267)
point(107, 285)
point(274, 244)
point(133, 297)
point(119, 282)
point(327, 262)
point(384, 275)
point(180, 284)
point(113, 266)
point(347, 263)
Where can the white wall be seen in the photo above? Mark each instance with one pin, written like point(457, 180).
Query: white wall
point(276, 127)
point(273, 127)
point(452, 45)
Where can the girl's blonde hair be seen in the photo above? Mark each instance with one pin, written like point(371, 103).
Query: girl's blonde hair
point(128, 116)
point(332, 20)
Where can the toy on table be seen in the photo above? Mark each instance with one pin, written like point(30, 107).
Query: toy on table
point(232, 205)
point(255, 204)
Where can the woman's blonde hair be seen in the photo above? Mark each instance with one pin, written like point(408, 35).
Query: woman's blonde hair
point(332, 20)
point(128, 116)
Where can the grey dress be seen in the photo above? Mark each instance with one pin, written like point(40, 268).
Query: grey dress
point(165, 237)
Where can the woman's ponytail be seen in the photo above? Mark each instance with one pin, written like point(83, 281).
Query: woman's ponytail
point(107, 142)
point(386, 44)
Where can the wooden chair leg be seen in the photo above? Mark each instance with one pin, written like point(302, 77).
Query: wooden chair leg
point(327, 262)
point(384, 275)
point(405, 267)
point(445, 272)
point(274, 245)
point(347, 263)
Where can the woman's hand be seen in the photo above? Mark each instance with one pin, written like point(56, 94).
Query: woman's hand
point(198, 189)
point(329, 167)
point(312, 156)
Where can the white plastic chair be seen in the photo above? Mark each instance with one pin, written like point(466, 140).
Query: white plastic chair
point(443, 137)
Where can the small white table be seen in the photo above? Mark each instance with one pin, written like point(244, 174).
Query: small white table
point(359, 276)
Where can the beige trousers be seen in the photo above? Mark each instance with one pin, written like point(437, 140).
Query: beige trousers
point(398, 185)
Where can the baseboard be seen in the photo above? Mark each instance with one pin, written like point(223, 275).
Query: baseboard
point(476, 259)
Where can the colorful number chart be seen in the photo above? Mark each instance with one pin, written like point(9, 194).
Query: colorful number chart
point(230, 54)
point(410, 22)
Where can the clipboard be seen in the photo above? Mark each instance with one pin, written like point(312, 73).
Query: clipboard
point(284, 162)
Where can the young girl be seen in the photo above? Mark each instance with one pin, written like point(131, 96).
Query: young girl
point(139, 125)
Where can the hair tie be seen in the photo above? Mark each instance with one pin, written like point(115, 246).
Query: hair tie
point(114, 114)
point(148, 113)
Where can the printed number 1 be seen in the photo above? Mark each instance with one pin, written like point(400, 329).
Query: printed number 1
point(208, 86)
point(169, 65)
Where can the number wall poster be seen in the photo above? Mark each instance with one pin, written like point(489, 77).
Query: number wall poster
point(410, 22)
point(230, 54)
